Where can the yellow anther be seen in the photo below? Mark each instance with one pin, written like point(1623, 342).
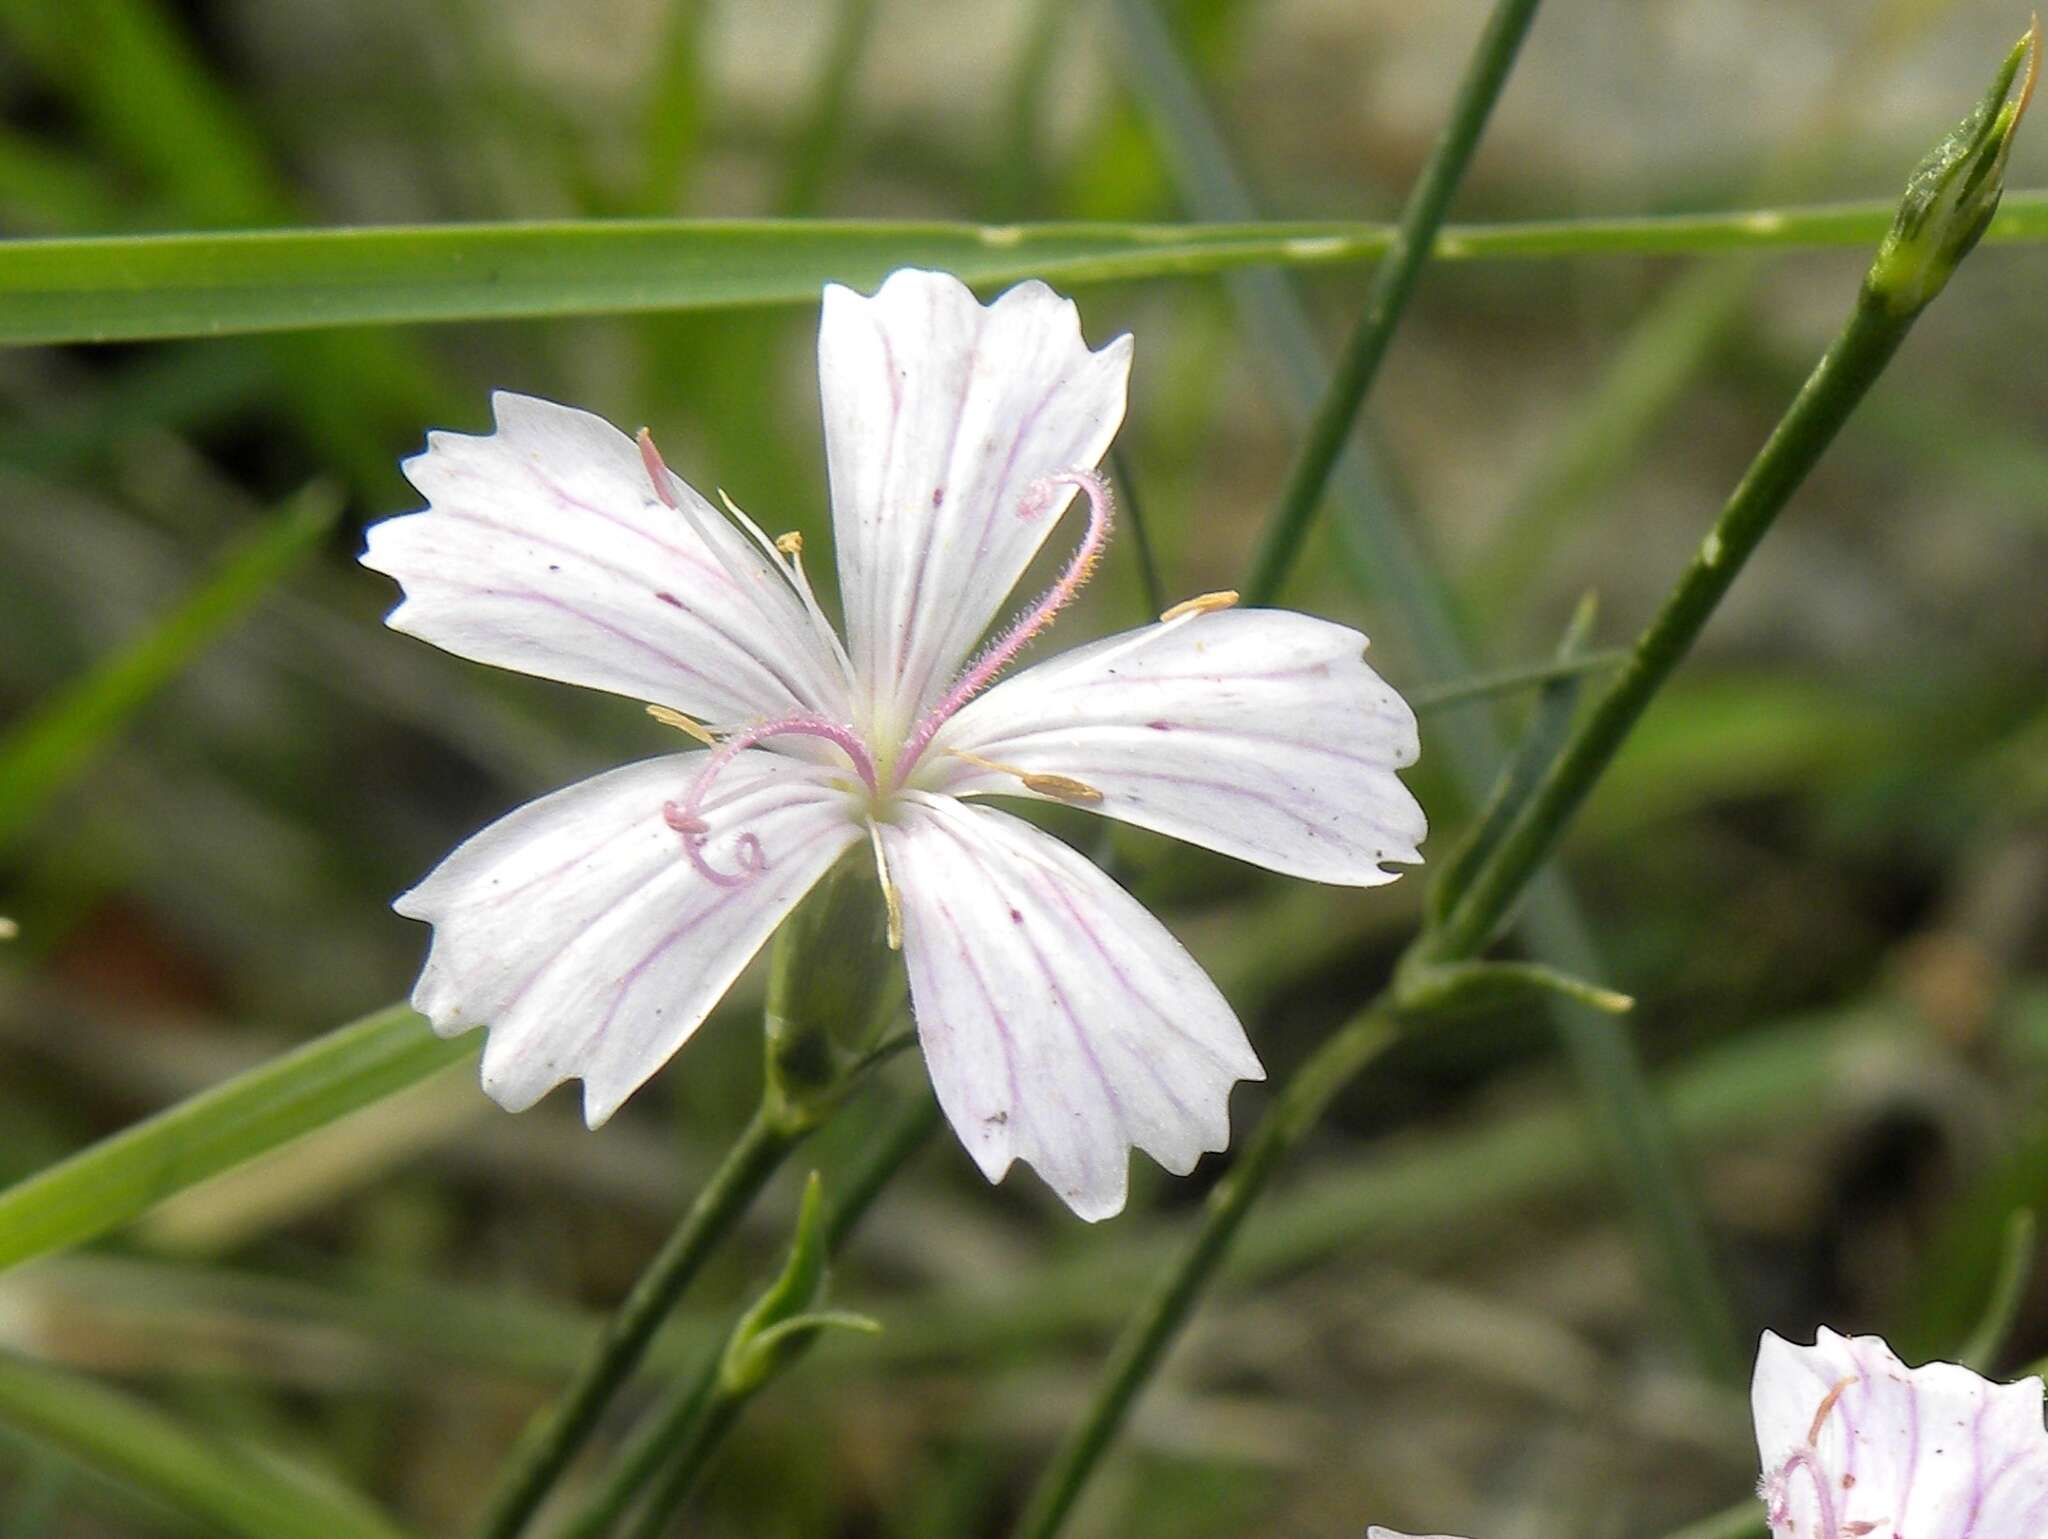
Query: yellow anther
point(1065, 787)
point(1202, 604)
point(791, 544)
point(673, 718)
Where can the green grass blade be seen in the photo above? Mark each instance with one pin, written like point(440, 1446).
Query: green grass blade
point(134, 288)
point(821, 138)
point(126, 1175)
point(44, 751)
point(131, 288)
point(225, 1489)
point(1376, 539)
point(674, 111)
point(144, 93)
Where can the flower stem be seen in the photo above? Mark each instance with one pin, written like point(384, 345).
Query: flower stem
point(1393, 281)
point(1937, 227)
point(1831, 393)
point(1847, 371)
point(1298, 1107)
point(677, 1438)
point(1376, 538)
point(554, 1441)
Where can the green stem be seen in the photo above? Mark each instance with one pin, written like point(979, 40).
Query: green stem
point(1507, 681)
point(1393, 281)
point(1936, 229)
point(1866, 344)
point(1297, 1109)
point(1377, 539)
point(703, 1432)
point(555, 1440)
point(678, 1437)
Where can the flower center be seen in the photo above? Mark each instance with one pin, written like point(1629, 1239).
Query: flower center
point(686, 816)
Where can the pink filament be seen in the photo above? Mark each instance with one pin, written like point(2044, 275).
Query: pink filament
point(687, 817)
point(1101, 511)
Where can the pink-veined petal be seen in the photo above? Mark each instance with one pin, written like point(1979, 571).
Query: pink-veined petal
point(1062, 1024)
point(940, 413)
point(579, 931)
point(544, 548)
point(1855, 1445)
point(1260, 733)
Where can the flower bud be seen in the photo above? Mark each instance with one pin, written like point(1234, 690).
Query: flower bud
point(1951, 197)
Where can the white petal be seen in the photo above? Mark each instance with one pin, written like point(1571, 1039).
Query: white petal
point(543, 548)
point(1062, 1024)
point(939, 414)
point(1900, 1453)
point(1376, 1532)
point(1260, 733)
point(578, 930)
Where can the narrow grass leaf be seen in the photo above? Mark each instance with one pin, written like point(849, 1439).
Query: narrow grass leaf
point(126, 1175)
point(44, 751)
point(227, 1490)
point(133, 288)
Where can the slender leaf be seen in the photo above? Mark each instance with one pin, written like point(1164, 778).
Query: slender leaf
point(229, 1491)
point(40, 754)
point(129, 288)
point(1378, 539)
point(130, 1173)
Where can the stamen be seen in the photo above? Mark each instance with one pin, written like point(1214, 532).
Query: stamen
point(1037, 497)
point(670, 717)
point(1065, 787)
point(658, 472)
point(792, 546)
point(891, 899)
point(1201, 604)
point(687, 817)
point(1827, 1404)
point(662, 478)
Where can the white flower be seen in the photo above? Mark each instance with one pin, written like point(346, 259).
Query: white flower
point(1855, 1445)
point(594, 929)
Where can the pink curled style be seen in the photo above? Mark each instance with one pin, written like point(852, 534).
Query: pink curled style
point(686, 817)
point(1080, 567)
point(1777, 1493)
